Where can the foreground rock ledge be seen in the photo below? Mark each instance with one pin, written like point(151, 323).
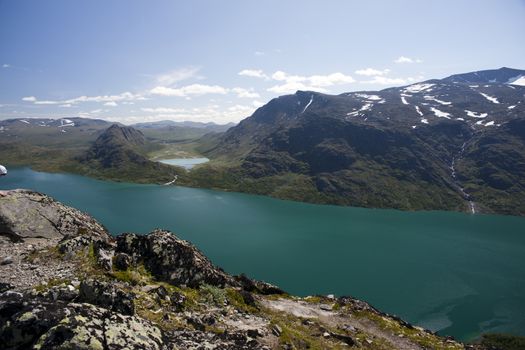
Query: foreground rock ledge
point(65, 283)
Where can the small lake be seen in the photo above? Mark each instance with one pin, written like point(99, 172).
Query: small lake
point(187, 163)
point(455, 273)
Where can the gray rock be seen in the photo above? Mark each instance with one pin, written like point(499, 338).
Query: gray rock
point(107, 295)
point(90, 327)
point(171, 259)
point(7, 260)
point(70, 247)
point(122, 261)
point(104, 253)
point(28, 214)
point(276, 330)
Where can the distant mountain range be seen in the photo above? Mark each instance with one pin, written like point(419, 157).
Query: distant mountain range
point(211, 127)
point(455, 143)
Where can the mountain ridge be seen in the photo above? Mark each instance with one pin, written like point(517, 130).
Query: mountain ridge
point(403, 147)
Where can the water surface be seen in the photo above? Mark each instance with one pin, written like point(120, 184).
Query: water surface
point(455, 273)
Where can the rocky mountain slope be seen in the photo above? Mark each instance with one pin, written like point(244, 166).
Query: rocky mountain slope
point(457, 143)
point(120, 153)
point(65, 283)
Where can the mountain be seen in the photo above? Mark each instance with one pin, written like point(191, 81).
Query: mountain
point(46, 143)
point(120, 153)
point(66, 283)
point(212, 127)
point(456, 143)
point(502, 76)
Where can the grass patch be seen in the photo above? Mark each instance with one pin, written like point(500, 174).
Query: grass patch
point(51, 283)
point(416, 335)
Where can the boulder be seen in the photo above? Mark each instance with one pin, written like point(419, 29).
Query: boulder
point(29, 214)
point(172, 260)
point(107, 295)
point(121, 261)
point(90, 327)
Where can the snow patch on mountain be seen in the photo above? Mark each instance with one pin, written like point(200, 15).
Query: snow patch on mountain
point(432, 98)
point(490, 98)
point(519, 80)
point(415, 88)
point(66, 122)
point(366, 107)
point(475, 115)
point(309, 103)
point(439, 113)
point(369, 97)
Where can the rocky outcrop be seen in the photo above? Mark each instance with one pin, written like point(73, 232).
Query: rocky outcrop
point(28, 214)
point(107, 295)
point(171, 259)
point(32, 323)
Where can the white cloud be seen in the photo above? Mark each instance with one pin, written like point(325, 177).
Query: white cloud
point(257, 104)
point(6, 65)
point(291, 87)
point(254, 73)
point(194, 89)
point(212, 113)
point(259, 53)
point(245, 93)
point(174, 76)
point(371, 72)
point(163, 110)
point(404, 59)
point(125, 96)
point(111, 104)
point(66, 105)
point(331, 79)
point(380, 80)
point(318, 83)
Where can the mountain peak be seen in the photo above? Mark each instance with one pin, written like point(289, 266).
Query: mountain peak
point(503, 75)
point(122, 134)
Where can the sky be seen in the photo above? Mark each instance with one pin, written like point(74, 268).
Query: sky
point(217, 61)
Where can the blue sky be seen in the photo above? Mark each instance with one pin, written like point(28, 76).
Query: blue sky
point(134, 61)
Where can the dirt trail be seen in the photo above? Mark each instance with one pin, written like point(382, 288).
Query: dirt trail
point(334, 319)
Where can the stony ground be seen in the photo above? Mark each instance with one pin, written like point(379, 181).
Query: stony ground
point(90, 291)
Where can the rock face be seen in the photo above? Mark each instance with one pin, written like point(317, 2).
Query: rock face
point(27, 214)
point(171, 259)
point(44, 325)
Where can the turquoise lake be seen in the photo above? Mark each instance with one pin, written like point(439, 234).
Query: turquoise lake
point(454, 273)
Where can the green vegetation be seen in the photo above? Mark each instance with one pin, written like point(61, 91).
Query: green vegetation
point(52, 283)
point(415, 334)
point(503, 341)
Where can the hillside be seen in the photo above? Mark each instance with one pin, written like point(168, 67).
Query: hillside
point(68, 284)
point(120, 153)
point(457, 143)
